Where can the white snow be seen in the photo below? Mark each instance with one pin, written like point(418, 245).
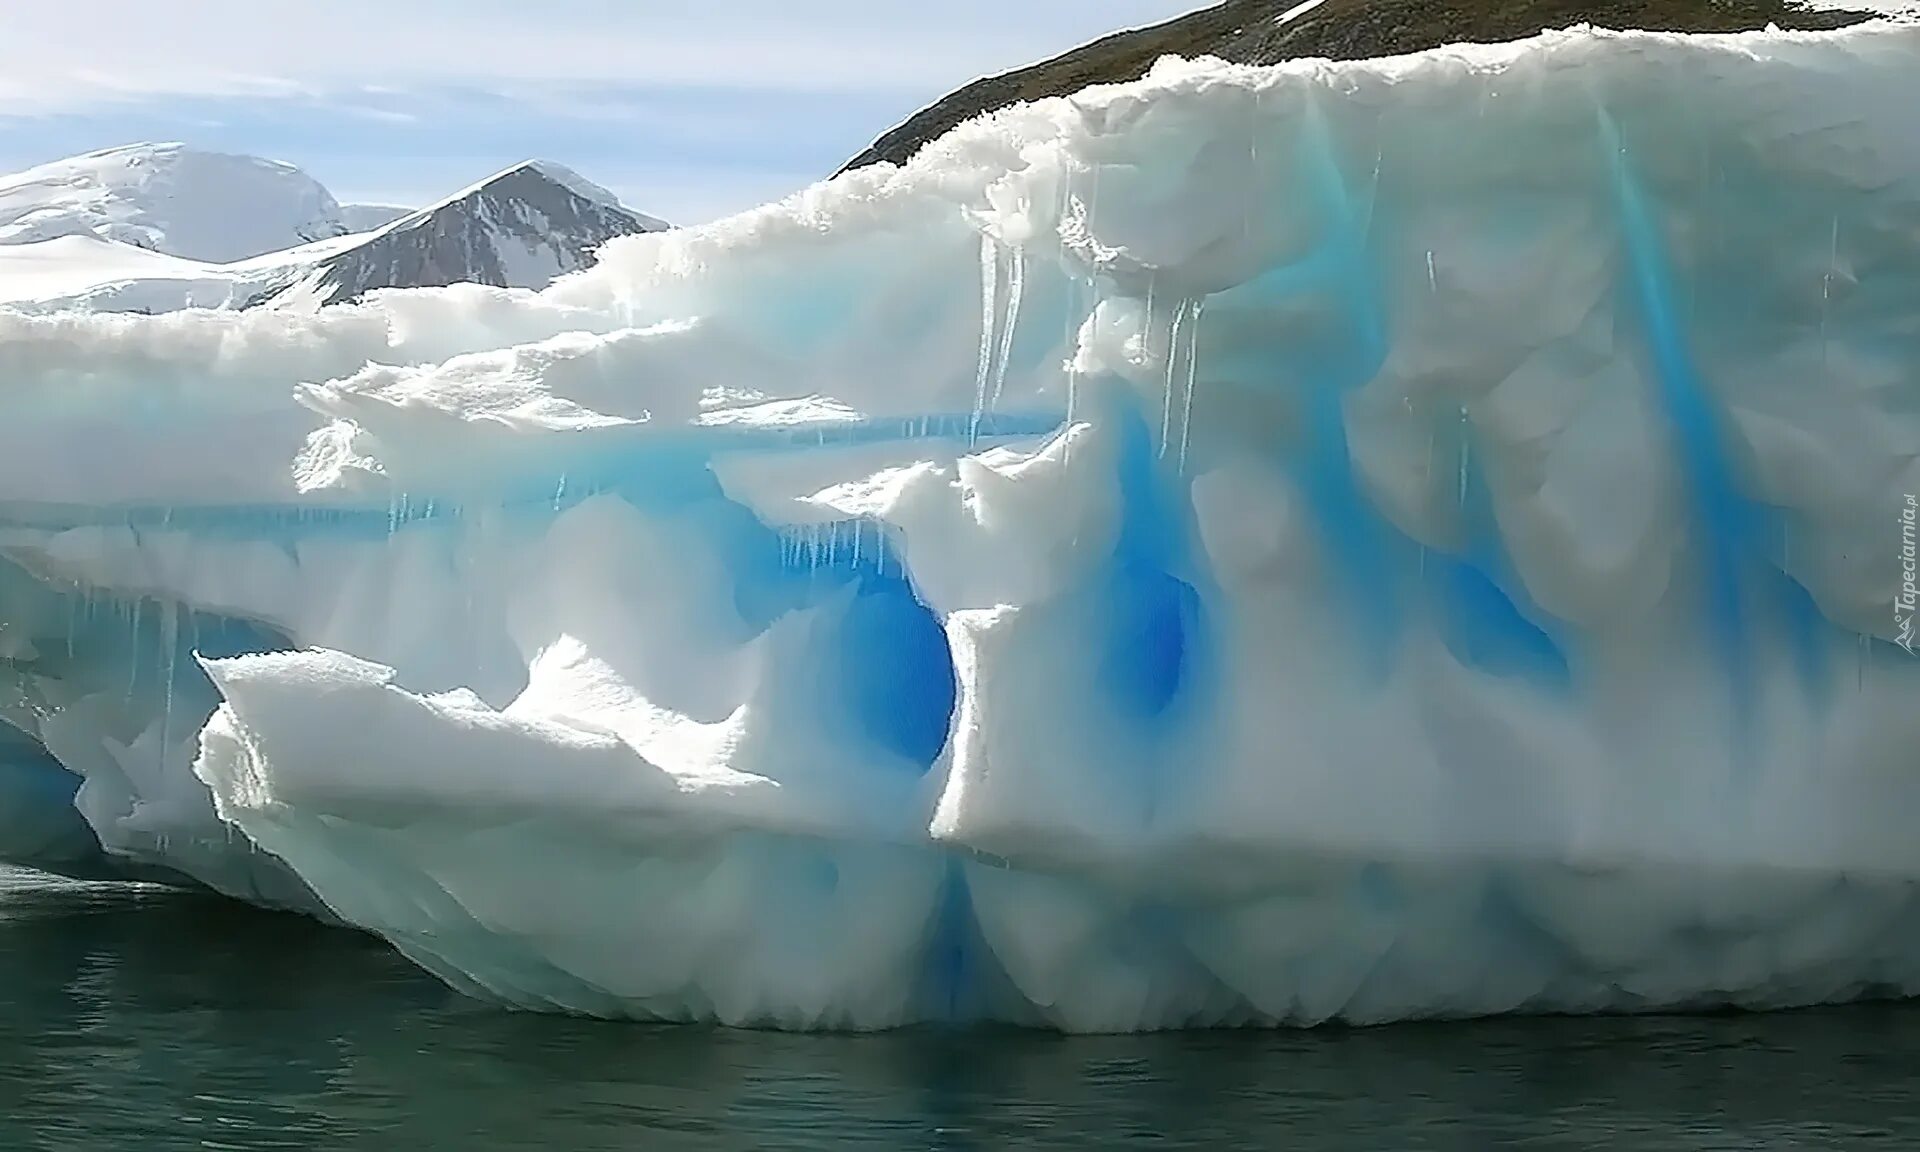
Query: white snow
point(206, 206)
point(368, 217)
point(1369, 541)
point(73, 264)
point(587, 190)
point(87, 274)
point(111, 231)
point(159, 228)
point(519, 231)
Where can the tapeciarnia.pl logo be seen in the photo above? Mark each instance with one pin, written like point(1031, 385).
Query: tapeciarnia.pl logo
point(1907, 599)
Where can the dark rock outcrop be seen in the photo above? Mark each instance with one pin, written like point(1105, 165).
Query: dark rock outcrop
point(1253, 32)
point(523, 228)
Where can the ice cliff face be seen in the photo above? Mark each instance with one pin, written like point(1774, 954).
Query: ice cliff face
point(1417, 538)
point(523, 228)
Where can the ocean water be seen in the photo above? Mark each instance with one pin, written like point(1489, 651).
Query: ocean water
point(144, 1019)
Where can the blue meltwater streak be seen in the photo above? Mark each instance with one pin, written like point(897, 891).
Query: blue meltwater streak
point(1723, 519)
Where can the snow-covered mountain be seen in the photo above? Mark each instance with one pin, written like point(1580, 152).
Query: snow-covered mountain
point(88, 274)
point(207, 206)
point(523, 227)
point(367, 217)
point(161, 227)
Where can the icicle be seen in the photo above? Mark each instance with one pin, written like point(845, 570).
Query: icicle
point(1433, 437)
point(170, 665)
point(1016, 282)
point(1073, 362)
point(133, 665)
point(1069, 346)
point(1826, 286)
point(1166, 385)
point(1466, 457)
point(1193, 372)
point(1433, 277)
point(1092, 303)
point(1253, 135)
point(560, 493)
point(1070, 289)
point(1373, 192)
point(989, 315)
point(1066, 201)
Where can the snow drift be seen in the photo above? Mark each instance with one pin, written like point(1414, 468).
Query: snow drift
point(1363, 542)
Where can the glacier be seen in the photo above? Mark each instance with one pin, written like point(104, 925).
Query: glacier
point(1363, 542)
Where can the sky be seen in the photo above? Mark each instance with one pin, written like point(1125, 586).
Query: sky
point(688, 109)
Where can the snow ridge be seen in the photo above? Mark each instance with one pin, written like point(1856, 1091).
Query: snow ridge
point(156, 228)
point(212, 207)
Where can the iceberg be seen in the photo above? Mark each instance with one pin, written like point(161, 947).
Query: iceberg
point(1418, 538)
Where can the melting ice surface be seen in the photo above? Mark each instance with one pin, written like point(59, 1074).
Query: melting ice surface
point(1413, 538)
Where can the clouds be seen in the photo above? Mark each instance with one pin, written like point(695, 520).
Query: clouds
point(130, 49)
point(687, 155)
point(687, 108)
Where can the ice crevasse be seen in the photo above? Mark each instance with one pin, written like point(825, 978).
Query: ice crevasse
point(1413, 538)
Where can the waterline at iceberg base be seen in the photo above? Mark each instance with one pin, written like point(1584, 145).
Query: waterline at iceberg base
point(1403, 539)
